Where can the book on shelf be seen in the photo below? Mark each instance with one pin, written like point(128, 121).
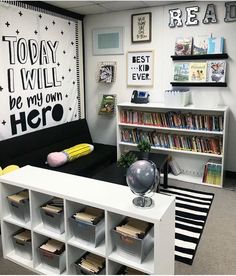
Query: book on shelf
point(201, 144)
point(200, 45)
point(174, 166)
point(173, 119)
point(183, 46)
point(216, 71)
point(215, 45)
point(107, 106)
point(212, 172)
point(181, 72)
point(197, 72)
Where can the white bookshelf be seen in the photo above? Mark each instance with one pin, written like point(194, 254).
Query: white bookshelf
point(191, 162)
point(115, 200)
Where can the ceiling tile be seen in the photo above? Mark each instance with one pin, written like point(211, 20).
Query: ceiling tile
point(69, 4)
point(90, 9)
point(122, 5)
point(158, 3)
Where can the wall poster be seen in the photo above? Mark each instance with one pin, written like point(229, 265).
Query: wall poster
point(140, 68)
point(39, 84)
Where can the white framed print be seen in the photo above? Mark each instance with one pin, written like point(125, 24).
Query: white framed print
point(108, 41)
point(140, 68)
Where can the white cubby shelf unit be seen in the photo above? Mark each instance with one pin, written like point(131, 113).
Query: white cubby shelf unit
point(192, 162)
point(76, 192)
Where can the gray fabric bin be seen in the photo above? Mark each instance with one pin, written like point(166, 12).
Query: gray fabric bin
point(82, 271)
point(23, 248)
point(93, 234)
point(53, 221)
point(135, 249)
point(53, 260)
point(20, 210)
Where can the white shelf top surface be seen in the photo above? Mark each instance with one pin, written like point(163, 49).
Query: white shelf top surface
point(163, 106)
point(108, 196)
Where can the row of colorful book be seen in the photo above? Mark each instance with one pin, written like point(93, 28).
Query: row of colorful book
point(174, 120)
point(212, 172)
point(209, 71)
point(199, 45)
point(211, 145)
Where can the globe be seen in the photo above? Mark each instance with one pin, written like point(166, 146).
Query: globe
point(142, 177)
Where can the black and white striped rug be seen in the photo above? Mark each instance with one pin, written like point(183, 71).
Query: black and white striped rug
point(192, 208)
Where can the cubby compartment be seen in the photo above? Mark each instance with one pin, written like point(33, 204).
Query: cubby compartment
point(132, 251)
point(90, 264)
point(74, 253)
point(52, 213)
point(87, 235)
point(125, 270)
point(16, 207)
point(113, 268)
point(118, 269)
point(134, 243)
point(20, 252)
point(44, 222)
point(48, 262)
point(23, 243)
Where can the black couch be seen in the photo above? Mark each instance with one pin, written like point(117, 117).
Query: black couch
point(33, 148)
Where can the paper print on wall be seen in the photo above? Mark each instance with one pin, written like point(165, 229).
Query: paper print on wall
point(107, 106)
point(197, 71)
point(106, 72)
point(183, 46)
point(216, 70)
point(141, 27)
point(140, 68)
point(38, 85)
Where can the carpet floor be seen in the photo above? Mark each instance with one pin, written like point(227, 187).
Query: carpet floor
point(192, 208)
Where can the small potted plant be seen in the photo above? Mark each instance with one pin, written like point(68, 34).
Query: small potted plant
point(126, 159)
point(144, 147)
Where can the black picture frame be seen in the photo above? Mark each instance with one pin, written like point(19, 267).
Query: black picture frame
point(140, 33)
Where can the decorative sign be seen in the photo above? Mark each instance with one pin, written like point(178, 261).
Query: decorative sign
point(176, 20)
point(38, 86)
point(140, 68)
point(141, 30)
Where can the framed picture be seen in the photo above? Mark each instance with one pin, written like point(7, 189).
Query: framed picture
point(108, 41)
point(106, 72)
point(140, 68)
point(141, 27)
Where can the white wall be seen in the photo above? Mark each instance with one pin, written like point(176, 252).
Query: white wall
point(103, 130)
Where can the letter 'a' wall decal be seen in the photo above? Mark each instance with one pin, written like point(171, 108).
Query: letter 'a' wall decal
point(210, 15)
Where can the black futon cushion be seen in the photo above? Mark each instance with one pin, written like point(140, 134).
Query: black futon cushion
point(33, 148)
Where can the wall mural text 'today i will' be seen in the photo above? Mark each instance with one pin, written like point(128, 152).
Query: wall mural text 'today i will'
point(38, 86)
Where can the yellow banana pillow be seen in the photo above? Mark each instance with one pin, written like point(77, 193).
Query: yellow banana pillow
point(8, 169)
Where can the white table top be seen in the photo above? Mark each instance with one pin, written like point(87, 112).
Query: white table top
point(104, 195)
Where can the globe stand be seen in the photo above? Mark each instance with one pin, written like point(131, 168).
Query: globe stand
point(143, 202)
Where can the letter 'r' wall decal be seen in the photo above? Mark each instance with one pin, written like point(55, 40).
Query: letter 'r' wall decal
point(38, 69)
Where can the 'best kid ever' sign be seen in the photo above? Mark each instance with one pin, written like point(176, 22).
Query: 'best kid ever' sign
point(140, 68)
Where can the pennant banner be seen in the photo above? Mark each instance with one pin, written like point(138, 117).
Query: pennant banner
point(38, 71)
